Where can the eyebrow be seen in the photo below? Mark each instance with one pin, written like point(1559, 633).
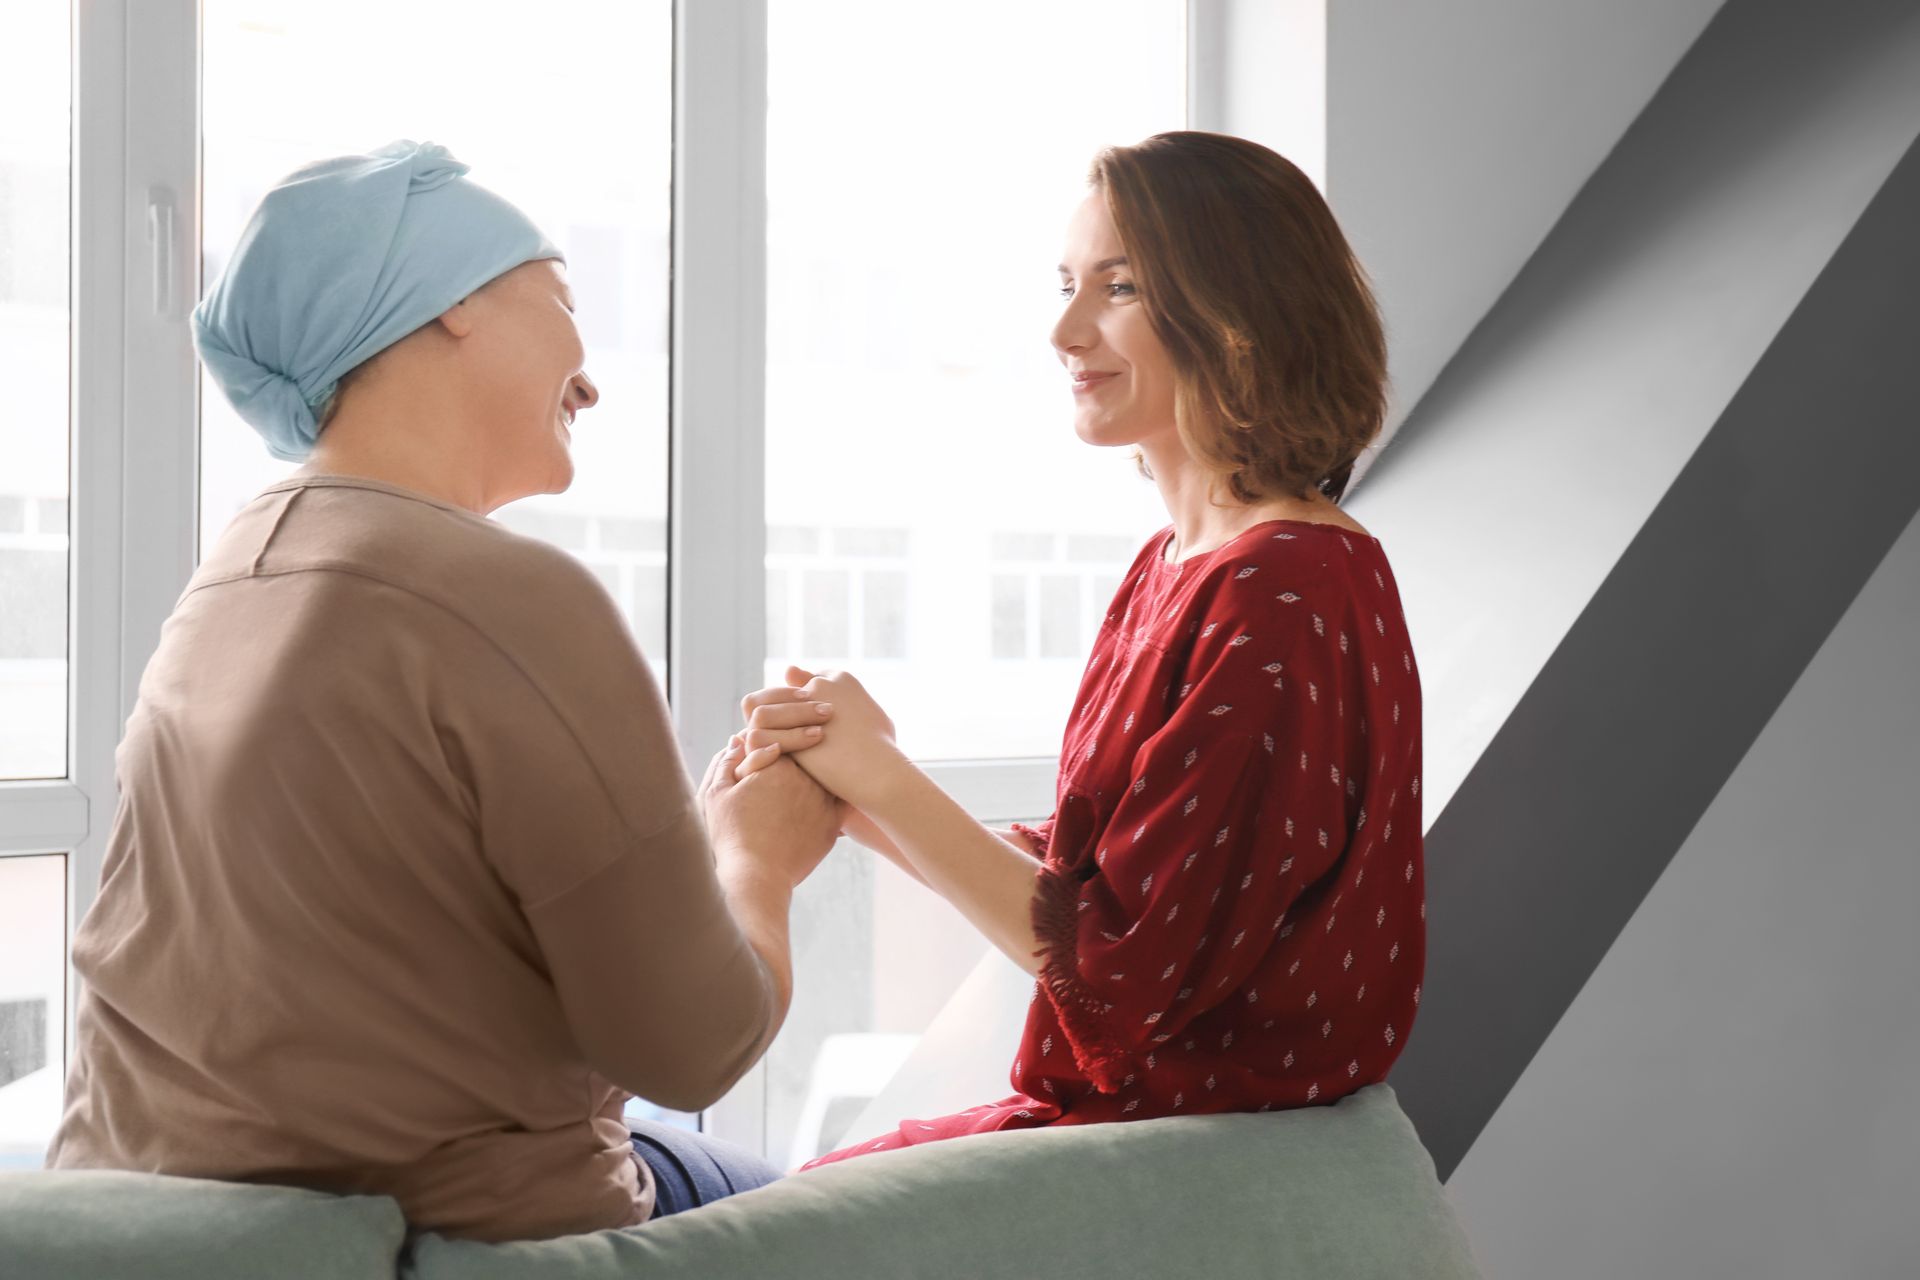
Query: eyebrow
point(1106, 264)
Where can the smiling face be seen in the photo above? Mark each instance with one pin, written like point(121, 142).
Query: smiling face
point(525, 362)
point(1123, 379)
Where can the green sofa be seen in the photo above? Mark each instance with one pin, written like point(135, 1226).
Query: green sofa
point(1324, 1192)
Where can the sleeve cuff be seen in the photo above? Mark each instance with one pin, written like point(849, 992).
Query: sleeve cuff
point(1083, 1016)
point(1039, 837)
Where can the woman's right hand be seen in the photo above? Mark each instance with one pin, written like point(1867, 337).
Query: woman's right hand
point(782, 717)
point(775, 816)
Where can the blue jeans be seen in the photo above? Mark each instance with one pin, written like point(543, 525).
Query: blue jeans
point(692, 1169)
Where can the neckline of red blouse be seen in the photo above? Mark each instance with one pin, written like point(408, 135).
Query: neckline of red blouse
point(1166, 537)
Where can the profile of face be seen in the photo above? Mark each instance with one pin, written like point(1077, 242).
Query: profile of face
point(1123, 379)
point(521, 363)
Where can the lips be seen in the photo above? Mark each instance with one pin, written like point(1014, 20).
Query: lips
point(1088, 381)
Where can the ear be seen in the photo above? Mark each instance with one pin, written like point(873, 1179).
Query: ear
point(458, 319)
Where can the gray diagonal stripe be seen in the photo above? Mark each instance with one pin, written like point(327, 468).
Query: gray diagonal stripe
point(1682, 655)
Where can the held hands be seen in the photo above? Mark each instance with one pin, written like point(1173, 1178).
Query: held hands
point(774, 822)
point(848, 756)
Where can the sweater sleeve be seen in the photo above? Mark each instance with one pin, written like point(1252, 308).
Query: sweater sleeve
point(586, 813)
point(663, 993)
point(1237, 806)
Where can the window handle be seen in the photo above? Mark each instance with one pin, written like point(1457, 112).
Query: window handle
point(160, 237)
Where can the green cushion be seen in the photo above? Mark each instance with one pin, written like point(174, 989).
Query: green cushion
point(1321, 1192)
point(103, 1225)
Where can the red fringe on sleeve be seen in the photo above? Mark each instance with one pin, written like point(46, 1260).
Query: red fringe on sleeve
point(1040, 837)
point(1055, 915)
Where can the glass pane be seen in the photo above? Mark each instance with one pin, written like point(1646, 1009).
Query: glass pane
point(959, 534)
point(934, 522)
point(876, 954)
point(35, 125)
point(586, 150)
point(33, 1005)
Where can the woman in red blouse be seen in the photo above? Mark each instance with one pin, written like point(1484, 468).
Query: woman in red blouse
point(1225, 911)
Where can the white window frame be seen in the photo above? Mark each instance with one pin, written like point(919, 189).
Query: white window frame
point(136, 217)
point(134, 145)
point(716, 505)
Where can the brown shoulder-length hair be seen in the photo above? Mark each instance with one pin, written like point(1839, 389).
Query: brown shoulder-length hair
point(1275, 339)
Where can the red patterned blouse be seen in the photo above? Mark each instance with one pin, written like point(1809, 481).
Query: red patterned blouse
point(1231, 895)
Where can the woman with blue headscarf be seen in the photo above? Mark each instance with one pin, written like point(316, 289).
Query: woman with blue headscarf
point(408, 890)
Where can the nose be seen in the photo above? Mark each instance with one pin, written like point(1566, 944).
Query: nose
point(1075, 330)
point(585, 394)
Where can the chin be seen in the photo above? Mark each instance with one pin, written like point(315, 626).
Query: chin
point(560, 475)
point(1105, 433)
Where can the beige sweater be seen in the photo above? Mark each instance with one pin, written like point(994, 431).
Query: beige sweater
point(408, 887)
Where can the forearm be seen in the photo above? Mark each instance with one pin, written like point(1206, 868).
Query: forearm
point(1017, 840)
point(988, 876)
point(761, 904)
point(887, 849)
point(882, 844)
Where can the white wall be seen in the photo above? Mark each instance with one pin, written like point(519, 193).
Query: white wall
point(1536, 459)
point(1458, 133)
point(1732, 1092)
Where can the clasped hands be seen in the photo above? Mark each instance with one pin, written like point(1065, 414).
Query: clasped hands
point(825, 725)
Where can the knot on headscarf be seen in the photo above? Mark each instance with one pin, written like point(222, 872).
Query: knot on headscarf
point(343, 258)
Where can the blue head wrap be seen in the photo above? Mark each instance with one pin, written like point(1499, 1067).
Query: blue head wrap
point(343, 258)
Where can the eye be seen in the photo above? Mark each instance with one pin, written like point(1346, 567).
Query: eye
point(1066, 291)
point(1114, 288)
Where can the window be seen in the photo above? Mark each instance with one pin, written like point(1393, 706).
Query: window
point(912, 393)
point(35, 555)
point(35, 90)
point(934, 525)
point(271, 102)
point(1050, 592)
point(931, 521)
point(33, 975)
point(837, 595)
